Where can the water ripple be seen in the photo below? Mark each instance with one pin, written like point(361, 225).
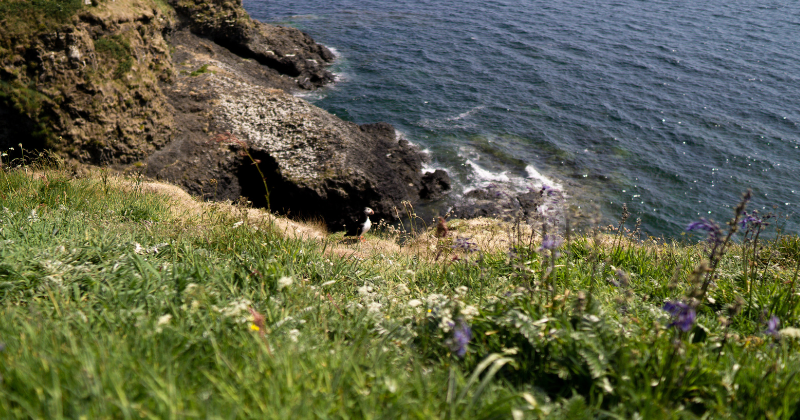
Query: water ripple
point(674, 107)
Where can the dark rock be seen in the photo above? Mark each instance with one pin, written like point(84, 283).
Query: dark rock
point(434, 185)
point(287, 50)
point(494, 201)
point(315, 165)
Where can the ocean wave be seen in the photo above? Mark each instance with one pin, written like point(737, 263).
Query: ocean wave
point(542, 180)
point(451, 122)
point(480, 177)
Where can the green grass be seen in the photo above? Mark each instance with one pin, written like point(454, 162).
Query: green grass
point(119, 49)
point(27, 16)
point(120, 303)
point(203, 69)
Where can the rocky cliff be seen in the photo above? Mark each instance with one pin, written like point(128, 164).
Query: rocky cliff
point(184, 91)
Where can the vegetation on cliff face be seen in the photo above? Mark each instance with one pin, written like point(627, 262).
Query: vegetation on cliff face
point(83, 80)
point(119, 49)
point(22, 17)
point(117, 302)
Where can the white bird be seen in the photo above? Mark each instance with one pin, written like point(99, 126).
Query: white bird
point(364, 227)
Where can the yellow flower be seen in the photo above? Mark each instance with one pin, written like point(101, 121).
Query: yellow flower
point(254, 327)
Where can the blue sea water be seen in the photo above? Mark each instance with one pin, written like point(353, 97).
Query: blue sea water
point(674, 107)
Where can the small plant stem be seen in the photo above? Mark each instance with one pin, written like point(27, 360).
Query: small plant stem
point(666, 366)
point(261, 174)
point(719, 248)
point(790, 294)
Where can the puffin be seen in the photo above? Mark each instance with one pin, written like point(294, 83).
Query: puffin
point(364, 226)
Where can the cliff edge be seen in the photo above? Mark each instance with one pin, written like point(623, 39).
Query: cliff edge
point(184, 91)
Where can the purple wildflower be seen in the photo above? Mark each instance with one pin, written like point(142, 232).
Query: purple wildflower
point(714, 232)
point(751, 218)
point(550, 242)
point(512, 253)
point(683, 315)
point(494, 190)
point(772, 325)
point(465, 244)
point(547, 190)
point(462, 333)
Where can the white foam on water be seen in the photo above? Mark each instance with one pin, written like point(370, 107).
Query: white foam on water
point(335, 52)
point(542, 180)
point(486, 175)
point(430, 167)
point(310, 95)
point(466, 114)
point(338, 76)
point(303, 17)
point(481, 177)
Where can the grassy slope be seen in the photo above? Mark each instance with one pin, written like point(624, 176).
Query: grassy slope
point(118, 302)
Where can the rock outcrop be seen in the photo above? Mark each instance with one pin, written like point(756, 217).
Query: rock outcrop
point(199, 94)
point(286, 50)
point(499, 203)
point(89, 87)
point(313, 163)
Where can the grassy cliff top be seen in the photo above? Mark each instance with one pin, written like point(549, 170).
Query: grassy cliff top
point(121, 298)
point(31, 16)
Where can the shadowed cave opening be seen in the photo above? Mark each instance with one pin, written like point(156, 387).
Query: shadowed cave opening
point(335, 206)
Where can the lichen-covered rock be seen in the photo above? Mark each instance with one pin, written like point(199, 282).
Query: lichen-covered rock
point(315, 164)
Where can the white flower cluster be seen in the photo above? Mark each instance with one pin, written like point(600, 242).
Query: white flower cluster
point(162, 321)
point(139, 249)
point(238, 309)
point(444, 309)
point(369, 299)
point(33, 217)
point(284, 282)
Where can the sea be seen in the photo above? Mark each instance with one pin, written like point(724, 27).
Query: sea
point(673, 108)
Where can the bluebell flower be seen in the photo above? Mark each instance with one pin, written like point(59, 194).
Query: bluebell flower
point(462, 333)
point(465, 244)
point(683, 315)
point(550, 242)
point(512, 253)
point(750, 219)
point(772, 325)
point(714, 232)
